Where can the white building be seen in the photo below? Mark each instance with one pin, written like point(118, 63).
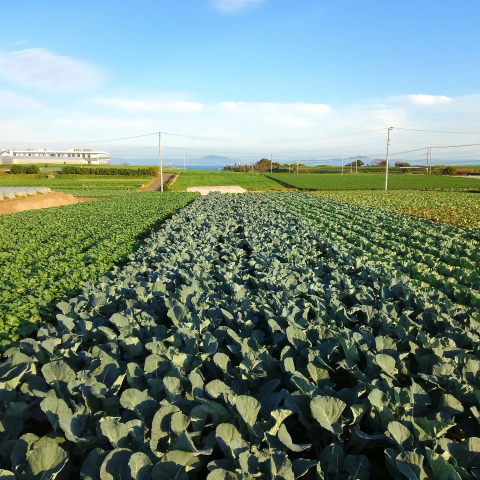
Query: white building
point(75, 156)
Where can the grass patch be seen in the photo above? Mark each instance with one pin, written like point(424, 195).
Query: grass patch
point(249, 181)
point(374, 181)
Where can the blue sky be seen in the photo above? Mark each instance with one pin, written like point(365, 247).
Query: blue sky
point(249, 70)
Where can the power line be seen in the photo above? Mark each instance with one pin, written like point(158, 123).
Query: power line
point(409, 151)
point(86, 141)
point(263, 153)
point(337, 148)
point(275, 139)
point(438, 146)
point(457, 146)
point(118, 139)
point(131, 149)
point(435, 131)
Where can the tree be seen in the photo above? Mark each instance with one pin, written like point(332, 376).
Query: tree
point(402, 164)
point(379, 162)
point(450, 170)
point(262, 165)
point(355, 162)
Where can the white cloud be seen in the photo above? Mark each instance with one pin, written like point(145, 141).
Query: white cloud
point(276, 107)
point(269, 113)
point(279, 114)
point(13, 100)
point(247, 130)
point(232, 6)
point(40, 69)
point(146, 106)
point(315, 108)
point(421, 99)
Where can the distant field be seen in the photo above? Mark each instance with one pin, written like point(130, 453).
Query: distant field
point(455, 208)
point(95, 186)
point(250, 181)
point(374, 181)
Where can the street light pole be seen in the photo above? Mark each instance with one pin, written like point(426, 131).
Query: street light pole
point(161, 161)
point(386, 164)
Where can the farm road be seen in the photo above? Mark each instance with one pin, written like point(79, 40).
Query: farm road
point(156, 184)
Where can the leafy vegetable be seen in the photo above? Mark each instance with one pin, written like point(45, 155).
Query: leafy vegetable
point(242, 342)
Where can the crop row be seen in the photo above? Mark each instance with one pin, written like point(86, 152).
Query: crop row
point(452, 245)
point(241, 342)
point(47, 254)
point(455, 208)
point(442, 256)
point(98, 192)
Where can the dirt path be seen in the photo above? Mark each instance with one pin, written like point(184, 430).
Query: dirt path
point(35, 202)
point(156, 184)
point(220, 188)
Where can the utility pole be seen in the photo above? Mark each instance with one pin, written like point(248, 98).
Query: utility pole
point(271, 163)
point(184, 162)
point(386, 164)
point(297, 167)
point(289, 168)
point(351, 163)
point(356, 165)
point(161, 161)
point(342, 164)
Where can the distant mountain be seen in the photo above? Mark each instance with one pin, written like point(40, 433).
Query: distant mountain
point(211, 159)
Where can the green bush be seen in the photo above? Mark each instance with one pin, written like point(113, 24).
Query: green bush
point(32, 169)
point(450, 170)
point(16, 169)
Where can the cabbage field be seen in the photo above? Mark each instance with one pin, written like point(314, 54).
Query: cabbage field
point(244, 340)
point(434, 255)
point(457, 208)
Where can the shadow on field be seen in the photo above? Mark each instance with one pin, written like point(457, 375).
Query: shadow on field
point(283, 184)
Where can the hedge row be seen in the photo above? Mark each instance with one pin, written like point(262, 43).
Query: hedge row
point(24, 169)
point(140, 171)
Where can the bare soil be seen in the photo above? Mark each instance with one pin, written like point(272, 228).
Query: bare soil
point(35, 202)
point(221, 189)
